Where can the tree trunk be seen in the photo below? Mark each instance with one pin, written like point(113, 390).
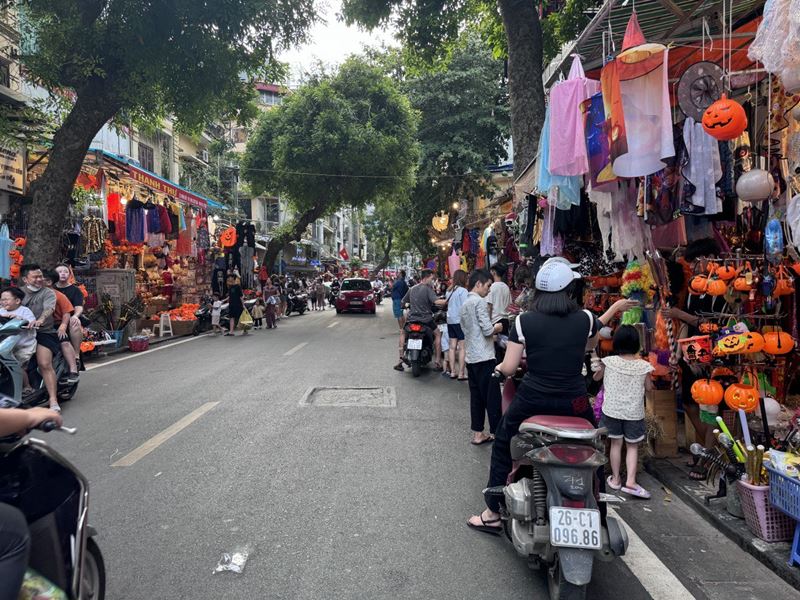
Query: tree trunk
point(526, 91)
point(387, 250)
point(52, 191)
point(276, 244)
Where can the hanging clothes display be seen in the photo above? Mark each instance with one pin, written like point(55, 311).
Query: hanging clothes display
point(6, 244)
point(703, 169)
point(134, 221)
point(568, 155)
point(597, 143)
point(569, 188)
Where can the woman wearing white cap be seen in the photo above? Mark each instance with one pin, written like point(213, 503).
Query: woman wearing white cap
point(554, 336)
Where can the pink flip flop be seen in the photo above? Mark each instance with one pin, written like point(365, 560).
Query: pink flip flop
point(637, 492)
point(616, 488)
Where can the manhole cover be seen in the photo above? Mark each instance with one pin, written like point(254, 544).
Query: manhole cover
point(349, 396)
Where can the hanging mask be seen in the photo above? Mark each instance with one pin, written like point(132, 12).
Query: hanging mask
point(773, 241)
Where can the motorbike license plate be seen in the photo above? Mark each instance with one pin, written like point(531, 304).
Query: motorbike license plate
point(415, 344)
point(575, 527)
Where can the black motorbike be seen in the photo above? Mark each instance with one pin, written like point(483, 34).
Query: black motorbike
point(418, 349)
point(54, 497)
point(11, 370)
point(296, 302)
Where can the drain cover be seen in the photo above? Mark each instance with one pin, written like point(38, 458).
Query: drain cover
point(349, 396)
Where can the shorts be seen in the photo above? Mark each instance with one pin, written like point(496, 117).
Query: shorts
point(632, 431)
point(48, 339)
point(215, 319)
point(454, 331)
point(23, 355)
point(397, 308)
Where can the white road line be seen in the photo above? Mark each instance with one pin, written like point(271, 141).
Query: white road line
point(334, 324)
point(295, 349)
point(653, 574)
point(137, 354)
point(158, 439)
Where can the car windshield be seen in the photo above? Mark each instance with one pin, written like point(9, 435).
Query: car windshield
point(360, 285)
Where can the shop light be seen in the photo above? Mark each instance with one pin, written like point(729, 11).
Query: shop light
point(456, 206)
point(215, 217)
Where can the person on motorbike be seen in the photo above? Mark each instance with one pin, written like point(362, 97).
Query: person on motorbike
point(14, 535)
point(422, 300)
point(42, 302)
point(553, 335)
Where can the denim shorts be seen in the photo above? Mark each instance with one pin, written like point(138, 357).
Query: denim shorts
point(632, 431)
point(454, 331)
point(397, 308)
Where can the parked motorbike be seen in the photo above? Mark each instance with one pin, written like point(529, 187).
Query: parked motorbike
point(296, 302)
point(418, 349)
point(551, 510)
point(11, 370)
point(203, 317)
point(54, 497)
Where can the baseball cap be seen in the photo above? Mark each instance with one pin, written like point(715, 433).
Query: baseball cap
point(563, 260)
point(554, 275)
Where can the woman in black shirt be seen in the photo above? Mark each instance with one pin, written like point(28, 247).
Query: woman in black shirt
point(235, 306)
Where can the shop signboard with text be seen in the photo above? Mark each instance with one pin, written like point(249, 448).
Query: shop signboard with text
point(12, 170)
point(165, 187)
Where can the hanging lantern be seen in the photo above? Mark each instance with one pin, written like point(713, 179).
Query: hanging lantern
point(755, 185)
point(725, 119)
point(440, 221)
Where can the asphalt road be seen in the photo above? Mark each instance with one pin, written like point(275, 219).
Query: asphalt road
point(330, 501)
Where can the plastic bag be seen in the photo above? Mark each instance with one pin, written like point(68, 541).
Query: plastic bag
point(233, 561)
point(36, 587)
point(245, 320)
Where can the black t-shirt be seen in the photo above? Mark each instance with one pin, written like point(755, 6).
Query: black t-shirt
point(695, 305)
point(555, 348)
point(73, 293)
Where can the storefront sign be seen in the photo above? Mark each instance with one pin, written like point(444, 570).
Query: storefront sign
point(12, 170)
point(165, 187)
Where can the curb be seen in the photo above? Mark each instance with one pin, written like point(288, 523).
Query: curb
point(154, 341)
point(774, 556)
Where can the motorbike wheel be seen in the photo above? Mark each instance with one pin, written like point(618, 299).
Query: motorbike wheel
point(302, 310)
point(560, 588)
point(416, 369)
point(196, 328)
point(288, 310)
point(93, 585)
point(67, 393)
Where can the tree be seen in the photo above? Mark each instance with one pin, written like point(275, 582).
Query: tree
point(387, 228)
point(429, 27)
point(146, 59)
point(346, 139)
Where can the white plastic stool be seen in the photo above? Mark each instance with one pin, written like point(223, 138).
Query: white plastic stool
point(164, 326)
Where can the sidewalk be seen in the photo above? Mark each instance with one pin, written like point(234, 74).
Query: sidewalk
point(673, 474)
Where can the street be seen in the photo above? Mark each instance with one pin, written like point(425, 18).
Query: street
point(330, 501)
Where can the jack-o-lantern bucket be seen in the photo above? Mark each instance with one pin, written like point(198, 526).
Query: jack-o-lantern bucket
point(725, 119)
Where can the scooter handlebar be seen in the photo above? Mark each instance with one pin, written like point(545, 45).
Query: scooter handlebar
point(48, 426)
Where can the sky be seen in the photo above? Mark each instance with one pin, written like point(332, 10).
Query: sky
point(331, 41)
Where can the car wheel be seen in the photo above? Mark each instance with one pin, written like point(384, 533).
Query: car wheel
point(338, 312)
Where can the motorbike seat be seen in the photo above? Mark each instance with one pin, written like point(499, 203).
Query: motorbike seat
point(565, 427)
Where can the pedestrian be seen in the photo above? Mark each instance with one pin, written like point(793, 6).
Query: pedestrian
point(480, 357)
point(271, 300)
point(456, 296)
point(626, 377)
point(263, 276)
point(283, 297)
point(498, 300)
point(258, 314)
point(216, 311)
point(235, 305)
point(313, 296)
point(321, 291)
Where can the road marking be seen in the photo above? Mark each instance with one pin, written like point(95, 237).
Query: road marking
point(334, 324)
point(137, 354)
point(295, 349)
point(653, 574)
point(158, 439)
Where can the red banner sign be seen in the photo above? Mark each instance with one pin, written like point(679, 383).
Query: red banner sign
point(165, 187)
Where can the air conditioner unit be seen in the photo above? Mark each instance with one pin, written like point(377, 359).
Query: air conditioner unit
point(204, 155)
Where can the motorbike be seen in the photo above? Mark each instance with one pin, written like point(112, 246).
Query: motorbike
point(203, 316)
point(551, 503)
point(418, 349)
point(378, 294)
point(296, 302)
point(54, 497)
point(11, 370)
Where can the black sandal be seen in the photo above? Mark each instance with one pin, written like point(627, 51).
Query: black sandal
point(485, 528)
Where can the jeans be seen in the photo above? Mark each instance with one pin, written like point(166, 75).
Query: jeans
point(14, 546)
point(484, 395)
point(527, 404)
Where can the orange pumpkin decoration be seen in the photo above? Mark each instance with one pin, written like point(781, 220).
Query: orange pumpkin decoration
point(725, 119)
point(19, 260)
point(754, 342)
point(709, 328)
point(699, 284)
point(795, 267)
point(13, 254)
point(20, 242)
point(727, 272)
point(778, 342)
point(716, 287)
point(14, 270)
point(740, 284)
point(731, 344)
point(784, 284)
point(606, 345)
point(228, 237)
point(707, 391)
point(741, 395)
point(719, 372)
point(87, 346)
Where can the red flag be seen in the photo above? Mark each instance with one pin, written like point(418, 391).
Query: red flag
point(343, 253)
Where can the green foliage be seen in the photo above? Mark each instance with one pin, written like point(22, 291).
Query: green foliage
point(340, 140)
point(355, 263)
point(151, 59)
point(219, 178)
point(83, 198)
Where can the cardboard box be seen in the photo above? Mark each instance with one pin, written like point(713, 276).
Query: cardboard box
point(661, 404)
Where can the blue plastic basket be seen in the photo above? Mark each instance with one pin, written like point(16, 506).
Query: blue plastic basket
point(784, 494)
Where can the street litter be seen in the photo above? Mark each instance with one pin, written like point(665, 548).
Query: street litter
point(234, 561)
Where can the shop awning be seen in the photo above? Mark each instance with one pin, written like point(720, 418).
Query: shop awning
point(680, 22)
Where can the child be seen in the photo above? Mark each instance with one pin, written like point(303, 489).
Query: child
point(258, 314)
point(216, 311)
point(11, 302)
point(272, 304)
point(626, 377)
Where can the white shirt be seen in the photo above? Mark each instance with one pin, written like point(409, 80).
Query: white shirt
point(27, 338)
point(216, 308)
point(499, 297)
point(623, 383)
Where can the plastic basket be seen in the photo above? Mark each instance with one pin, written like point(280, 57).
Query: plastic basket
point(764, 521)
point(138, 343)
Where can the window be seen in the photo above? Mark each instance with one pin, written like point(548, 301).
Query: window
point(146, 156)
point(166, 156)
point(5, 75)
point(270, 98)
point(360, 285)
point(272, 211)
